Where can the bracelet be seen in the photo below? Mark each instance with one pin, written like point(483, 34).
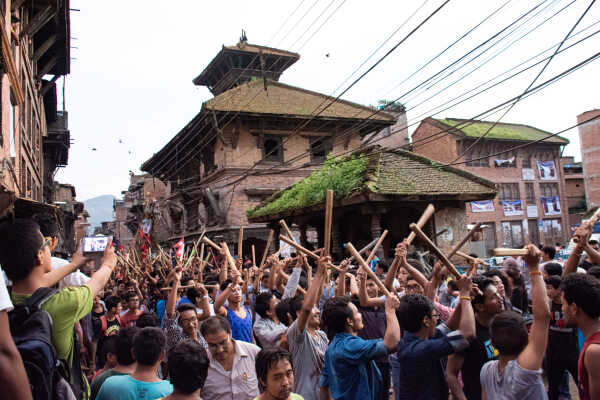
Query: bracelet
point(468, 298)
point(532, 273)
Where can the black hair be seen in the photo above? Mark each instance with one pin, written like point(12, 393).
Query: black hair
point(550, 250)
point(112, 301)
point(48, 224)
point(553, 281)
point(509, 333)
point(516, 277)
point(413, 308)
point(20, 241)
point(553, 268)
point(335, 313)
point(497, 272)
point(452, 284)
point(214, 325)
point(186, 307)
point(282, 310)
point(383, 266)
point(187, 366)
point(594, 271)
point(584, 291)
point(129, 295)
point(482, 283)
point(296, 305)
point(147, 319)
point(266, 359)
point(192, 294)
point(110, 345)
point(224, 285)
point(125, 344)
point(262, 303)
point(148, 345)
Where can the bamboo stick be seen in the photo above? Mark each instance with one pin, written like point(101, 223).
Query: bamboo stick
point(328, 222)
point(464, 240)
point(268, 246)
point(188, 286)
point(253, 256)
point(365, 266)
point(286, 229)
point(240, 242)
point(451, 268)
point(307, 252)
point(376, 247)
point(211, 243)
point(229, 258)
point(504, 252)
point(429, 211)
point(472, 259)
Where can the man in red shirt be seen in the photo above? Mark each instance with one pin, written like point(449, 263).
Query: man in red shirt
point(133, 312)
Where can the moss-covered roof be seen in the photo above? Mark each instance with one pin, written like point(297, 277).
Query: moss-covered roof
point(391, 174)
point(502, 130)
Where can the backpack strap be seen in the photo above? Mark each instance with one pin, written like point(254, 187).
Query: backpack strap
point(39, 297)
point(104, 323)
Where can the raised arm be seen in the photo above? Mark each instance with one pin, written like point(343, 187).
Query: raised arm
point(312, 296)
point(582, 234)
point(55, 275)
point(292, 283)
point(363, 296)
point(175, 278)
point(392, 329)
point(340, 290)
point(109, 261)
point(415, 273)
point(391, 275)
point(466, 326)
point(531, 358)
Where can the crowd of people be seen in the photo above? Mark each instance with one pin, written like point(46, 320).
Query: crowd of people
point(295, 328)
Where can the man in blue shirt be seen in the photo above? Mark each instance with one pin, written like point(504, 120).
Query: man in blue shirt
point(425, 345)
point(349, 370)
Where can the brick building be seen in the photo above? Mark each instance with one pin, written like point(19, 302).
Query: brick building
point(34, 140)
point(255, 137)
point(589, 136)
point(574, 188)
point(531, 202)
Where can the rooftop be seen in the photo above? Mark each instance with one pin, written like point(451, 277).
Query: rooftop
point(502, 130)
point(380, 175)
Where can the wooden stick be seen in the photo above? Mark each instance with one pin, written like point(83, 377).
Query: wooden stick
point(472, 259)
point(269, 241)
point(464, 240)
point(503, 252)
point(365, 266)
point(286, 229)
point(593, 219)
point(240, 242)
point(211, 243)
point(253, 256)
point(307, 252)
point(379, 241)
point(187, 287)
point(328, 221)
point(229, 258)
point(429, 211)
point(419, 233)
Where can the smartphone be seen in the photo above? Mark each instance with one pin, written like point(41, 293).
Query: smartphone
point(95, 244)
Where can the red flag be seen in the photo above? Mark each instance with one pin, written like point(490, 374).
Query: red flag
point(179, 248)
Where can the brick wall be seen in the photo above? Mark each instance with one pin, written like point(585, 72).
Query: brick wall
point(589, 135)
point(443, 148)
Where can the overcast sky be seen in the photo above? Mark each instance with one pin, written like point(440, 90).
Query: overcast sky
point(130, 89)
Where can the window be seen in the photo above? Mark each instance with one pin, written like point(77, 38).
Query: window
point(477, 158)
point(272, 148)
point(548, 189)
point(534, 232)
point(552, 231)
point(527, 162)
point(489, 237)
point(509, 191)
point(512, 234)
point(529, 193)
point(319, 148)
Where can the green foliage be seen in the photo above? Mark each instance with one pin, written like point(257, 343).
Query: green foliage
point(343, 177)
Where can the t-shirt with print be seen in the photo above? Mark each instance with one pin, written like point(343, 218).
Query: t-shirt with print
point(562, 339)
point(308, 355)
point(515, 382)
point(479, 352)
point(128, 318)
point(126, 388)
point(112, 328)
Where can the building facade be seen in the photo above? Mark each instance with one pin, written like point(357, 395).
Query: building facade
point(575, 189)
point(254, 138)
point(589, 137)
point(532, 202)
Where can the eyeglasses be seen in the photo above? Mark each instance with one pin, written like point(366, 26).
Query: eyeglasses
point(435, 315)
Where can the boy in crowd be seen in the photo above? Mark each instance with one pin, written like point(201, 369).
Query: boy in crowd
point(275, 375)
point(133, 310)
point(267, 329)
point(104, 326)
point(149, 348)
point(517, 373)
point(188, 367)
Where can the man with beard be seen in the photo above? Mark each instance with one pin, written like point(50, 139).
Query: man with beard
point(486, 305)
point(275, 375)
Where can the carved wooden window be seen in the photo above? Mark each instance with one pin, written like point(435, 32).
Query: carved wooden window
point(272, 148)
point(509, 191)
point(320, 146)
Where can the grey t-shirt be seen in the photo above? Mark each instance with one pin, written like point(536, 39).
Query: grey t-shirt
point(308, 354)
point(515, 382)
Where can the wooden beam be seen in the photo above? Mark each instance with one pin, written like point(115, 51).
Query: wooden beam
point(48, 85)
point(464, 240)
point(372, 255)
point(286, 229)
point(418, 232)
point(240, 242)
point(11, 68)
point(266, 252)
point(472, 259)
point(39, 20)
point(365, 266)
point(47, 67)
point(16, 4)
point(328, 222)
point(504, 252)
point(429, 211)
point(41, 50)
point(307, 252)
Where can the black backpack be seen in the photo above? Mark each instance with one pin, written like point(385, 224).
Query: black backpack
point(31, 329)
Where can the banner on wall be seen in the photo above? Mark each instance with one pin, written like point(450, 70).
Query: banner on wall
point(532, 211)
point(527, 174)
point(512, 207)
point(504, 163)
point(547, 170)
point(482, 206)
point(551, 205)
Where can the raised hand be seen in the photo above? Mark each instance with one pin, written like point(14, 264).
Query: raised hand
point(533, 256)
point(109, 258)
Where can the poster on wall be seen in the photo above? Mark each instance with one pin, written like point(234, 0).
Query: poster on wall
point(551, 205)
point(527, 174)
point(547, 170)
point(498, 163)
point(532, 211)
point(482, 206)
point(512, 207)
